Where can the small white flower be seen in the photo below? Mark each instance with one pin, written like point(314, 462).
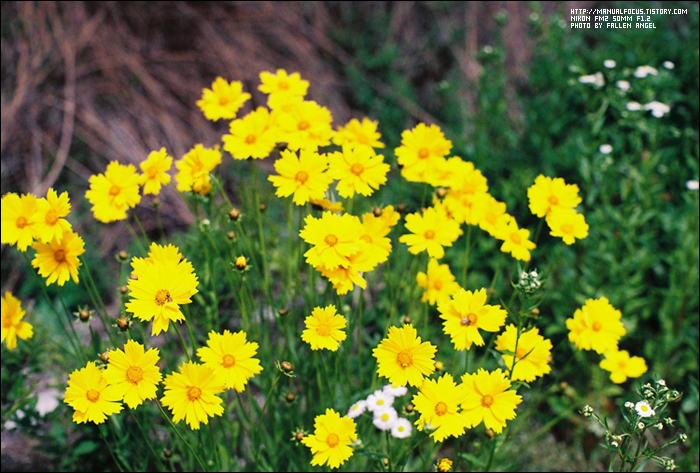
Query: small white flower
point(605, 149)
point(629, 404)
point(683, 437)
point(661, 382)
point(658, 109)
point(644, 409)
point(641, 426)
point(660, 426)
point(488, 49)
point(534, 16)
point(596, 79)
point(614, 444)
point(384, 419)
point(402, 428)
point(357, 409)
point(395, 390)
point(623, 85)
point(643, 71)
point(609, 63)
point(379, 400)
point(693, 185)
point(669, 65)
point(634, 106)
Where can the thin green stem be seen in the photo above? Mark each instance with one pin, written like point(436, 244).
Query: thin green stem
point(182, 439)
point(138, 222)
point(262, 415)
point(136, 238)
point(182, 341)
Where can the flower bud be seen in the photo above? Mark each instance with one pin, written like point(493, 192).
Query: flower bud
point(287, 366)
point(123, 323)
point(231, 235)
point(122, 255)
point(290, 397)
point(377, 211)
point(234, 213)
point(441, 192)
point(104, 357)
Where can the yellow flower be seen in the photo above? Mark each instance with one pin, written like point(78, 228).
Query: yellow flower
point(251, 136)
point(467, 312)
point(305, 176)
point(18, 219)
point(223, 99)
point(194, 169)
point(438, 405)
point(231, 357)
point(133, 373)
point(191, 394)
point(12, 324)
point(90, 396)
point(113, 192)
point(419, 147)
point(357, 170)
point(355, 133)
point(596, 326)
point(163, 284)
point(531, 356)
point(374, 231)
point(282, 83)
point(332, 439)
point(325, 204)
point(547, 193)
point(444, 465)
point(324, 329)
point(403, 358)
point(467, 179)
point(430, 231)
point(488, 399)
point(334, 238)
point(567, 224)
point(155, 171)
point(442, 171)
point(57, 261)
point(439, 283)
point(306, 125)
point(515, 240)
point(344, 279)
point(493, 215)
point(465, 206)
point(622, 366)
point(49, 220)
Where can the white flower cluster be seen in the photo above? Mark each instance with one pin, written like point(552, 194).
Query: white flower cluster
point(380, 404)
point(596, 79)
point(643, 71)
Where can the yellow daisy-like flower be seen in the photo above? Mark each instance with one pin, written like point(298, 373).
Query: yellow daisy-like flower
point(547, 194)
point(231, 356)
point(155, 171)
point(622, 366)
point(334, 238)
point(467, 179)
point(419, 147)
point(163, 284)
point(467, 312)
point(133, 373)
point(356, 133)
point(113, 192)
point(444, 465)
point(49, 220)
point(283, 83)
point(430, 231)
point(567, 224)
point(403, 358)
point(194, 169)
point(531, 356)
point(596, 326)
point(375, 230)
point(12, 324)
point(438, 404)
point(251, 136)
point(324, 329)
point(223, 99)
point(493, 215)
point(466, 207)
point(442, 171)
point(306, 125)
point(439, 283)
point(344, 279)
point(332, 439)
point(90, 396)
point(488, 399)
point(325, 204)
point(515, 240)
point(58, 261)
point(18, 220)
point(357, 169)
point(191, 394)
point(305, 176)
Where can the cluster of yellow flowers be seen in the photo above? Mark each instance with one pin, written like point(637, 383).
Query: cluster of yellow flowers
point(556, 200)
point(12, 324)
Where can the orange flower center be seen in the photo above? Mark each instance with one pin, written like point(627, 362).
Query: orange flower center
point(553, 200)
point(193, 393)
point(6, 321)
point(437, 285)
point(114, 190)
point(323, 330)
point(250, 139)
point(301, 177)
point(51, 217)
point(567, 228)
point(404, 358)
point(333, 440)
point(622, 365)
point(362, 139)
point(515, 238)
point(331, 240)
point(597, 326)
point(134, 374)
point(283, 85)
point(21, 222)
point(93, 395)
point(357, 169)
point(228, 361)
point(59, 255)
point(163, 296)
point(223, 101)
point(520, 353)
point(429, 235)
point(441, 408)
point(487, 400)
point(366, 238)
point(423, 153)
point(470, 319)
point(303, 125)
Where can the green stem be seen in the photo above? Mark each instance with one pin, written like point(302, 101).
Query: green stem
point(262, 414)
point(138, 222)
point(182, 439)
point(182, 341)
point(145, 437)
point(136, 238)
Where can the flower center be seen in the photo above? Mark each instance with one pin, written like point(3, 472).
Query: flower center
point(597, 326)
point(250, 139)
point(567, 228)
point(357, 169)
point(134, 374)
point(303, 125)
point(332, 440)
point(429, 234)
point(441, 408)
point(469, 319)
point(515, 238)
point(331, 240)
point(283, 85)
point(228, 361)
point(366, 238)
point(644, 408)
point(400, 428)
point(437, 285)
point(487, 400)
point(404, 358)
point(423, 153)
point(520, 353)
point(114, 190)
point(553, 200)
point(51, 217)
point(380, 402)
point(93, 395)
point(301, 177)
point(362, 139)
point(323, 330)
point(6, 321)
point(193, 393)
point(21, 222)
point(385, 417)
point(59, 255)
point(223, 101)
point(622, 365)
point(163, 296)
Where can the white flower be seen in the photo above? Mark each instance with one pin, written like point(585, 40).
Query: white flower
point(357, 409)
point(605, 149)
point(395, 390)
point(661, 382)
point(629, 404)
point(534, 16)
point(595, 79)
point(379, 400)
point(609, 63)
point(660, 426)
point(693, 185)
point(669, 65)
point(384, 419)
point(623, 85)
point(644, 409)
point(402, 428)
point(634, 106)
point(614, 444)
point(488, 49)
point(643, 71)
point(641, 426)
point(658, 109)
